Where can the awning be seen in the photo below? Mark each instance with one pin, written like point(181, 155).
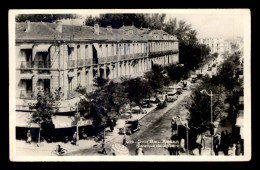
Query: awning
point(63, 121)
point(44, 76)
point(43, 47)
point(240, 120)
point(26, 46)
point(99, 52)
point(69, 121)
point(26, 76)
point(23, 119)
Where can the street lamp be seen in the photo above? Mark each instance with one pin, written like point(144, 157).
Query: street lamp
point(211, 116)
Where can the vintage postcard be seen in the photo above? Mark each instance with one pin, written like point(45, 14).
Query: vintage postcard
point(130, 85)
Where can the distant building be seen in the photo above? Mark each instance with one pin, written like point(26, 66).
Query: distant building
point(215, 44)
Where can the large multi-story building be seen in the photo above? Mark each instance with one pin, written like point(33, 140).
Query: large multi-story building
point(52, 55)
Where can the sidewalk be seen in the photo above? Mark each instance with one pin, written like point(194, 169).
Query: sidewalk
point(46, 149)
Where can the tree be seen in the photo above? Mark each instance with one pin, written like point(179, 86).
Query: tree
point(137, 89)
point(44, 110)
point(117, 20)
point(233, 110)
point(199, 106)
point(153, 21)
point(106, 103)
point(176, 73)
point(43, 17)
point(227, 72)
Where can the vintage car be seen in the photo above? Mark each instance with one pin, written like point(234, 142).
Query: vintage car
point(172, 96)
point(131, 126)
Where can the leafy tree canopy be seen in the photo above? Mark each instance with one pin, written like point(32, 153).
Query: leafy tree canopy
point(43, 17)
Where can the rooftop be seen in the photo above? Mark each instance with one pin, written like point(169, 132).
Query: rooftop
point(47, 31)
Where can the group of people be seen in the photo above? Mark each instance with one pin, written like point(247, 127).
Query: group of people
point(223, 142)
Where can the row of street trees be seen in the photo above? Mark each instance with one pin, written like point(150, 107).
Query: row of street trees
point(226, 89)
point(110, 98)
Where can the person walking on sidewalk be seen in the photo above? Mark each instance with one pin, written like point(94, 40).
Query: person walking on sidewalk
point(124, 140)
point(103, 149)
point(216, 145)
point(75, 138)
point(29, 137)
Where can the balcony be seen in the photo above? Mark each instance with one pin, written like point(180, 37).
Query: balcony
point(88, 62)
point(71, 63)
point(38, 64)
point(162, 53)
point(80, 62)
point(26, 65)
point(43, 64)
point(72, 94)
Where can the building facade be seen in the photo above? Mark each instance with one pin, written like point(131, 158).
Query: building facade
point(50, 56)
point(216, 45)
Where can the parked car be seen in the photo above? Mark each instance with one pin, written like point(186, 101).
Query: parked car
point(154, 100)
point(172, 96)
point(162, 105)
point(209, 68)
point(214, 65)
point(131, 126)
point(135, 110)
point(193, 80)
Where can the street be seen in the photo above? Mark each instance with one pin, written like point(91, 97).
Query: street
point(155, 126)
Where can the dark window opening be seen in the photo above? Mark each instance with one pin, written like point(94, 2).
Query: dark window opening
point(95, 58)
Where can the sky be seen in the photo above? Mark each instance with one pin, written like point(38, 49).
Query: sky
point(213, 25)
point(224, 23)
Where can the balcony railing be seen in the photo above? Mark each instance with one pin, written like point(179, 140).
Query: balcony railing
point(71, 63)
point(26, 64)
point(43, 64)
point(71, 94)
point(162, 53)
point(88, 62)
point(37, 64)
point(80, 62)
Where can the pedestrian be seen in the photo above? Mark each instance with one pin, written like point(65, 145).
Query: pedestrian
point(233, 149)
point(124, 141)
point(225, 143)
point(170, 149)
point(182, 145)
point(238, 148)
point(199, 148)
point(216, 145)
point(222, 140)
point(29, 137)
point(103, 149)
point(173, 126)
point(75, 138)
point(139, 150)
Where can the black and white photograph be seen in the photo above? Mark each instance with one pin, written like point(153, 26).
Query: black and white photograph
point(130, 85)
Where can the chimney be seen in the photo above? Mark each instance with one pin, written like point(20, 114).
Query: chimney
point(96, 29)
point(27, 26)
point(59, 26)
point(109, 29)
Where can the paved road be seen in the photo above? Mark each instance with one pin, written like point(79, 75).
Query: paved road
point(155, 126)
